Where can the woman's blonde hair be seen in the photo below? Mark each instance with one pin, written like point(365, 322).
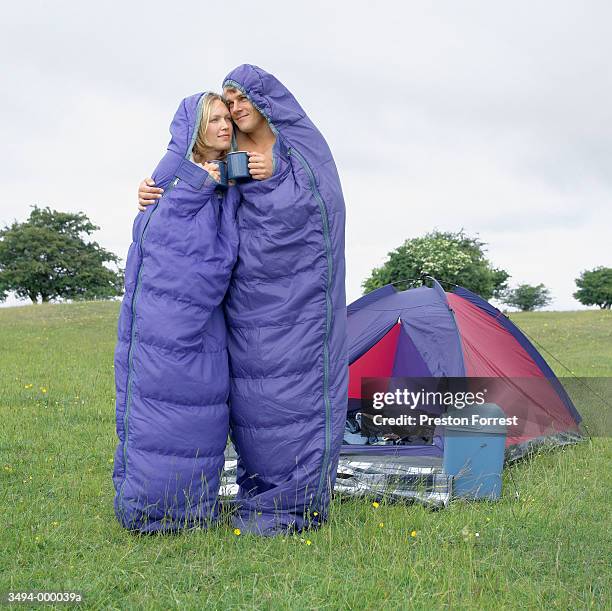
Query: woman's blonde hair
point(201, 147)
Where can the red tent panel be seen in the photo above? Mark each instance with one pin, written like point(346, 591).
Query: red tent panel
point(490, 351)
point(377, 362)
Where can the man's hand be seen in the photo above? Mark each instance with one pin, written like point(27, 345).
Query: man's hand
point(148, 194)
point(260, 166)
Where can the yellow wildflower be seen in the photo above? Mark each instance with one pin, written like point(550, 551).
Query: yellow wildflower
point(413, 534)
point(308, 542)
point(381, 525)
point(237, 532)
point(376, 504)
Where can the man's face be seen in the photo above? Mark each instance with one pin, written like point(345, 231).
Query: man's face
point(246, 117)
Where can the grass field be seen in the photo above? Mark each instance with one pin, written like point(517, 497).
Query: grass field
point(547, 543)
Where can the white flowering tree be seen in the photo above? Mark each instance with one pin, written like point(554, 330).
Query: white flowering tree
point(451, 258)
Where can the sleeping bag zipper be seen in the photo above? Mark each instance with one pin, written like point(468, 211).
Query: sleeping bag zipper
point(325, 220)
point(133, 337)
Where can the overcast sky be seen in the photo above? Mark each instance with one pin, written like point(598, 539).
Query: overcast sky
point(491, 116)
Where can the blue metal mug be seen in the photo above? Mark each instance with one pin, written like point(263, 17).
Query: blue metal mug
point(238, 166)
point(222, 172)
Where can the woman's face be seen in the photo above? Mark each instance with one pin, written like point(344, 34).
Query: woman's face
point(219, 130)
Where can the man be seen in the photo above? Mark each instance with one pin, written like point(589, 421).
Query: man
point(285, 310)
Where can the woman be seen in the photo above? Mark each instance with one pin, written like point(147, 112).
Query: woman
point(171, 366)
point(285, 311)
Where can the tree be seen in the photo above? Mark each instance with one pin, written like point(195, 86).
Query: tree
point(450, 257)
point(527, 298)
point(46, 257)
point(595, 287)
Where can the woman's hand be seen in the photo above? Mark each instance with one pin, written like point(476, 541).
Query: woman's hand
point(148, 194)
point(213, 170)
point(260, 166)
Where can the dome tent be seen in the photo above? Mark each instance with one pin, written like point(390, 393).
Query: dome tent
point(427, 332)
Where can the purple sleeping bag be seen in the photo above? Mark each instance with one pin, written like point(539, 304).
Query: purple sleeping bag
point(286, 315)
point(171, 365)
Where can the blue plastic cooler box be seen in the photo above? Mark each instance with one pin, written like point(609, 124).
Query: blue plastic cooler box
point(474, 453)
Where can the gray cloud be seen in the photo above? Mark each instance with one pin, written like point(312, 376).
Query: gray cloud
point(495, 117)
